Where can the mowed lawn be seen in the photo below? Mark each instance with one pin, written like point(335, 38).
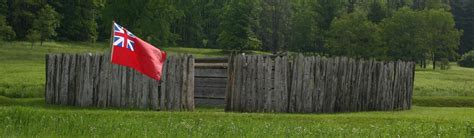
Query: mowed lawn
point(23, 112)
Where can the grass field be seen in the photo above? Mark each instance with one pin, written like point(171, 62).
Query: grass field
point(457, 81)
point(24, 114)
point(30, 117)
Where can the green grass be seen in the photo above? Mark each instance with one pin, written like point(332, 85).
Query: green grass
point(457, 81)
point(443, 101)
point(31, 117)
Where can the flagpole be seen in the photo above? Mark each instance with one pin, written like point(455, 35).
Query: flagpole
point(112, 41)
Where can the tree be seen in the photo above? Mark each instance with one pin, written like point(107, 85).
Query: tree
point(150, 19)
point(46, 22)
point(304, 32)
point(417, 35)
point(213, 9)
point(467, 60)
point(21, 15)
point(236, 27)
point(211, 17)
point(79, 19)
point(6, 31)
point(377, 12)
point(463, 11)
point(328, 11)
point(190, 27)
point(355, 36)
point(396, 4)
point(274, 21)
point(440, 33)
point(33, 36)
point(3, 8)
point(431, 4)
point(403, 35)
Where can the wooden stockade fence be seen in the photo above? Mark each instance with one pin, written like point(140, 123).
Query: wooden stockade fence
point(317, 84)
point(91, 80)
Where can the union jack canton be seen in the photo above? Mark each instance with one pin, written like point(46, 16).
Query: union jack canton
point(123, 38)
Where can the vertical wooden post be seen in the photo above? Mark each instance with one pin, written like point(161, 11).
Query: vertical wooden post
point(190, 81)
point(230, 83)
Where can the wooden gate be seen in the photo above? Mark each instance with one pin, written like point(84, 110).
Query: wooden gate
point(210, 81)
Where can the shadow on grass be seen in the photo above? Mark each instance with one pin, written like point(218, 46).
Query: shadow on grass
point(40, 103)
point(443, 101)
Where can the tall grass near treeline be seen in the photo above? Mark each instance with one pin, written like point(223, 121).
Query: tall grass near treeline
point(457, 81)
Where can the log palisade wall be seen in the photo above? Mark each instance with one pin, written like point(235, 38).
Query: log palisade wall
point(317, 85)
point(91, 80)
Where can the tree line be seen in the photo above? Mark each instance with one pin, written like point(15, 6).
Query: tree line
point(417, 30)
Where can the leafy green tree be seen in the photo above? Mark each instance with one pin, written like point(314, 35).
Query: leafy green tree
point(3, 8)
point(355, 36)
point(440, 34)
point(396, 4)
point(304, 31)
point(6, 31)
point(33, 36)
point(190, 27)
point(149, 19)
point(467, 60)
point(463, 11)
point(418, 35)
point(431, 4)
point(402, 34)
point(79, 19)
point(274, 21)
point(236, 27)
point(21, 15)
point(377, 12)
point(328, 10)
point(46, 23)
point(212, 9)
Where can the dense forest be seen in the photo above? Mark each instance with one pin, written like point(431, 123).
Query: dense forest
point(416, 30)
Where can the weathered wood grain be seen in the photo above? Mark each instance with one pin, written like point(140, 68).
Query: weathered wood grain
point(238, 83)
point(259, 103)
point(231, 80)
point(49, 88)
point(268, 92)
point(190, 84)
point(91, 80)
point(277, 90)
point(211, 73)
point(320, 85)
point(284, 83)
point(163, 85)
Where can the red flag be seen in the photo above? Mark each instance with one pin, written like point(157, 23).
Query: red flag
point(131, 51)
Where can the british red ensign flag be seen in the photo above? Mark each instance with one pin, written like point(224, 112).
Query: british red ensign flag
point(131, 51)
